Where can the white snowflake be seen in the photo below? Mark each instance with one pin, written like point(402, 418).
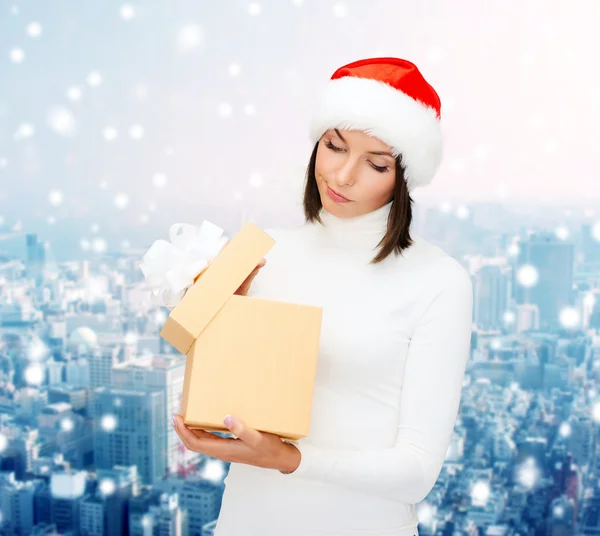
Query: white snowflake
point(74, 93)
point(107, 486)
point(159, 180)
point(25, 130)
point(234, 69)
point(480, 493)
point(136, 132)
point(121, 200)
point(110, 133)
point(527, 275)
point(569, 317)
point(340, 9)
point(67, 424)
point(462, 212)
point(254, 8)
point(62, 121)
point(256, 180)
point(34, 29)
point(99, 245)
point(190, 37)
point(108, 423)
point(55, 197)
point(225, 109)
point(34, 374)
point(16, 55)
point(127, 12)
point(562, 232)
point(94, 79)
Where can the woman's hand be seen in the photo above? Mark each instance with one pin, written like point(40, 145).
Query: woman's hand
point(251, 446)
point(245, 286)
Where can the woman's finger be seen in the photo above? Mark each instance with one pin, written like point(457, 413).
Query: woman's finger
point(203, 434)
point(186, 435)
point(205, 442)
point(245, 286)
point(253, 438)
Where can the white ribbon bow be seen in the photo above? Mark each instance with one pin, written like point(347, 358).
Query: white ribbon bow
point(170, 267)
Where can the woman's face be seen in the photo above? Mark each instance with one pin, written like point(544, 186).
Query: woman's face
point(358, 167)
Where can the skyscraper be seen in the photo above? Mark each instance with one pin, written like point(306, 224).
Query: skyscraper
point(36, 256)
point(553, 260)
point(131, 430)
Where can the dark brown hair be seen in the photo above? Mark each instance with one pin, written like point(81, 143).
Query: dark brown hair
point(397, 237)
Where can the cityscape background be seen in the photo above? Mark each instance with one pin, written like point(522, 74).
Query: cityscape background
point(120, 119)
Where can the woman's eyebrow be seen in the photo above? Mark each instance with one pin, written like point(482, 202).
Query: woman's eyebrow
point(381, 153)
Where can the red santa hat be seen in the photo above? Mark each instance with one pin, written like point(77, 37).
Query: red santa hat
point(390, 99)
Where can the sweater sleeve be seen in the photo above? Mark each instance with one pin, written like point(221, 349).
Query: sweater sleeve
point(434, 372)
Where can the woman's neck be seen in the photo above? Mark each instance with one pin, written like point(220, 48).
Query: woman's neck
point(362, 232)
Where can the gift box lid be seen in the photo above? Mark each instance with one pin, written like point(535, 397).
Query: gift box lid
point(215, 285)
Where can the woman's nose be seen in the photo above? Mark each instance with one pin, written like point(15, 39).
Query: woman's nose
point(341, 181)
point(344, 176)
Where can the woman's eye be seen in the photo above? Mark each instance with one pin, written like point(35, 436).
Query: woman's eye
point(381, 169)
point(333, 147)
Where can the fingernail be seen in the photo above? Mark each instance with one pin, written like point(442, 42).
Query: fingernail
point(229, 421)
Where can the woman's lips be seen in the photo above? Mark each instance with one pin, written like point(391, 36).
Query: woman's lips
point(337, 197)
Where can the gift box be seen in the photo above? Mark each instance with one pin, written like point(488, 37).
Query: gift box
point(251, 357)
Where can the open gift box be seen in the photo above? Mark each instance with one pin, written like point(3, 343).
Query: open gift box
point(250, 357)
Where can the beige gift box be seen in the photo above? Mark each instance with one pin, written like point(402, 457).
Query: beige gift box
point(250, 357)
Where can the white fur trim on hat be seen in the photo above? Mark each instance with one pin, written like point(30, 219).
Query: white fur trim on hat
point(410, 127)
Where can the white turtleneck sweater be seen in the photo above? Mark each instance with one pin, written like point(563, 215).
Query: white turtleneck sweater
point(395, 339)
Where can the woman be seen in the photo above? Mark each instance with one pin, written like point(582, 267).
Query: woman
point(396, 325)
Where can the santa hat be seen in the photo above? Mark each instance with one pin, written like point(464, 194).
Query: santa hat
point(390, 99)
